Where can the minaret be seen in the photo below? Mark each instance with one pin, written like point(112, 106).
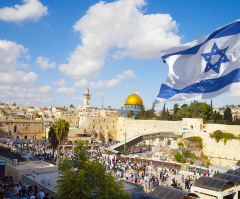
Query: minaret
point(86, 98)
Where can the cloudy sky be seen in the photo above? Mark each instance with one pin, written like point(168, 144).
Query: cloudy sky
point(52, 50)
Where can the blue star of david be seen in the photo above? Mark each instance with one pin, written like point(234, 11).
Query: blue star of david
point(215, 51)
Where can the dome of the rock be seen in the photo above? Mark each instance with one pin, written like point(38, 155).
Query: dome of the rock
point(134, 99)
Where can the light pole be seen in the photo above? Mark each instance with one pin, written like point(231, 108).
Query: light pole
point(45, 125)
point(125, 144)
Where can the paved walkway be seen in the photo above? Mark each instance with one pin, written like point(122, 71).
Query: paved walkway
point(178, 177)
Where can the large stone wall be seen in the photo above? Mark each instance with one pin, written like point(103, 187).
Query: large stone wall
point(135, 127)
point(104, 127)
point(234, 129)
point(220, 153)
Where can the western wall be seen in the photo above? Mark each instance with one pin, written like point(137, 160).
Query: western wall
point(218, 153)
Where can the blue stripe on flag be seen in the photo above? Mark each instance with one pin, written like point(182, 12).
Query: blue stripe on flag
point(231, 29)
point(204, 86)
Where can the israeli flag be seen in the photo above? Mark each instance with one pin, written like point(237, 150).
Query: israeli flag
point(204, 68)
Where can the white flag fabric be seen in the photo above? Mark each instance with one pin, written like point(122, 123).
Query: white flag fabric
point(204, 68)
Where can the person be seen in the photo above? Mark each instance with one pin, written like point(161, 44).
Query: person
point(17, 188)
point(42, 194)
point(46, 196)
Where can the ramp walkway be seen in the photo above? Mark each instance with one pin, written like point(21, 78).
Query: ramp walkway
point(116, 148)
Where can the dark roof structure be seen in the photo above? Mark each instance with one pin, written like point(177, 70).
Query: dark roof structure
point(238, 163)
point(165, 192)
point(142, 195)
point(214, 184)
point(233, 172)
point(232, 178)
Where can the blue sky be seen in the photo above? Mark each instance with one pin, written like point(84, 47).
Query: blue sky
point(52, 50)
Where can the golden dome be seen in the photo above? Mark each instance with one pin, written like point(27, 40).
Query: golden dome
point(134, 99)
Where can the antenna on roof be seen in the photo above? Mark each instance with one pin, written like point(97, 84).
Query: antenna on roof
point(102, 101)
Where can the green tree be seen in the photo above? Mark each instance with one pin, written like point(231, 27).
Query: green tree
point(140, 114)
point(228, 114)
point(125, 151)
point(180, 145)
point(184, 105)
point(185, 112)
point(61, 128)
point(236, 121)
point(179, 157)
point(52, 137)
point(130, 114)
point(84, 179)
point(175, 110)
point(71, 105)
point(217, 116)
point(163, 113)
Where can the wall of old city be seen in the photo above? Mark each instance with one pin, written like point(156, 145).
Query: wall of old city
point(234, 129)
point(220, 153)
point(135, 127)
point(102, 127)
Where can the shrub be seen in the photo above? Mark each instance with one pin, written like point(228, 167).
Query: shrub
point(180, 145)
point(179, 157)
point(196, 139)
point(219, 135)
point(186, 154)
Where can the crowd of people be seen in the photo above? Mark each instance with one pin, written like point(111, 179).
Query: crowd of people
point(11, 190)
point(122, 169)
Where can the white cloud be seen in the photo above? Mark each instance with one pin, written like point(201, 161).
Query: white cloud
point(12, 57)
point(129, 73)
point(109, 83)
point(82, 83)
point(5, 88)
point(119, 25)
point(98, 84)
point(10, 54)
point(18, 78)
point(45, 89)
point(234, 93)
point(113, 82)
point(22, 95)
point(30, 10)
point(66, 90)
point(43, 63)
point(60, 82)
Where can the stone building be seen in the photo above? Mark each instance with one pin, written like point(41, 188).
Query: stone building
point(21, 128)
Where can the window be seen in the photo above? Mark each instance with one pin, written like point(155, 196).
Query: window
point(93, 127)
